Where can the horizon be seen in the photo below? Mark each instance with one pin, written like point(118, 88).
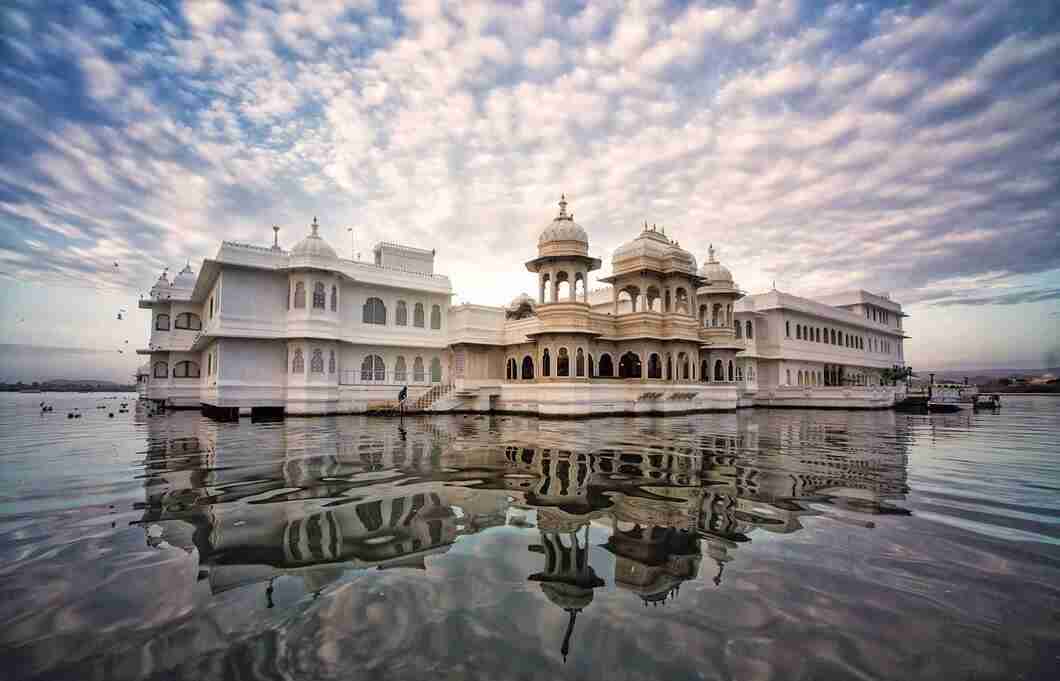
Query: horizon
point(909, 151)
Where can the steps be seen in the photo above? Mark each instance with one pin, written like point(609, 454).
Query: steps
point(424, 401)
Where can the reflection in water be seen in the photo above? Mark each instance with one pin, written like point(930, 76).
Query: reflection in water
point(301, 500)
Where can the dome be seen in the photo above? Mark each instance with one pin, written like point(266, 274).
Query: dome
point(185, 279)
point(313, 246)
point(653, 244)
point(713, 271)
point(563, 236)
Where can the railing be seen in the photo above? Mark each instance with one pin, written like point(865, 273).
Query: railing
point(392, 378)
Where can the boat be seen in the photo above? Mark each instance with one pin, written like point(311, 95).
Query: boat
point(945, 398)
point(987, 401)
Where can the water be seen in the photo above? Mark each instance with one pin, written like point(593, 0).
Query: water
point(763, 544)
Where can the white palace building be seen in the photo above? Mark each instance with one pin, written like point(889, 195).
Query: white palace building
point(303, 331)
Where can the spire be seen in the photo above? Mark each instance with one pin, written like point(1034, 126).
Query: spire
point(275, 237)
point(710, 252)
point(315, 226)
point(563, 208)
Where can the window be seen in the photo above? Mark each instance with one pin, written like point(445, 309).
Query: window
point(299, 295)
point(818, 335)
point(739, 372)
point(417, 315)
point(682, 361)
point(800, 377)
point(436, 317)
point(417, 370)
point(401, 317)
point(162, 322)
point(209, 363)
point(316, 364)
point(400, 371)
point(833, 336)
point(331, 362)
point(592, 367)
point(562, 363)
point(187, 320)
point(374, 311)
point(528, 368)
point(161, 370)
point(436, 370)
point(319, 296)
point(750, 329)
point(186, 369)
point(789, 376)
point(739, 330)
point(719, 370)
point(211, 307)
point(298, 363)
point(798, 331)
point(334, 298)
point(546, 368)
point(579, 363)
point(607, 366)
point(373, 369)
point(787, 329)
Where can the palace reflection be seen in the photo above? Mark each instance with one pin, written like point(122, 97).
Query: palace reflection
point(314, 499)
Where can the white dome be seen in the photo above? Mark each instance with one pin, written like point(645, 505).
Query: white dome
point(713, 270)
point(648, 243)
point(521, 299)
point(682, 257)
point(313, 246)
point(185, 279)
point(563, 228)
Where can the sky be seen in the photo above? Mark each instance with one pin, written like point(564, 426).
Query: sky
point(907, 148)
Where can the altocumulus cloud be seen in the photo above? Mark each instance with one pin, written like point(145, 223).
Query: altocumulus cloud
point(913, 150)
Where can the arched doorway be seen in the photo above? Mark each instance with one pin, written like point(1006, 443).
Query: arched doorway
point(654, 366)
point(528, 368)
point(607, 367)
point(719, 370)
point(629, 366)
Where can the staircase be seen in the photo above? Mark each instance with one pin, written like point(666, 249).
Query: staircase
point(424, 401)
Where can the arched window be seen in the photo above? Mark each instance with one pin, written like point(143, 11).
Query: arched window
point(562, 363)
point(528, 368)
point(162, 322)
point(654, 366)
point(186, 369)
point(299, 295)
point(316, 363)
point(508, 369)
point(799, 376)
point(331, 362)
point(298, 363)
point(682, 361)
point(401, 316)
point(436, 370)
point(787, 329)
point(629, 366)
point(798, 331)
point(436, 317)
point(417, 315)
point(750, 330)
point(669, 368)
point(187, 320)
point(334, 298)
point(818, 332)
point(719, 370)
point(833, 336)
point(417, 370)
point(704, 371)
point(730, 371)
point(319, 296)
point(607, 366)
point(739, 331)
point(373, 369)
point(400, 370)
point(161, 370)
point(546, 364)
point(374, 312)
point(789, 377)
point(579, 363)
point(592, 366)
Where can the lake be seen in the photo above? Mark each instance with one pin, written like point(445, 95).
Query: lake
point(760, 544)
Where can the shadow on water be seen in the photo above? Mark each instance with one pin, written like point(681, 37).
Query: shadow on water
point(507, 547)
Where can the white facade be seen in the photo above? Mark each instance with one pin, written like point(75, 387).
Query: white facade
point(306, 332)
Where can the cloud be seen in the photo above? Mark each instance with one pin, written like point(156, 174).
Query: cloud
point(888, 149)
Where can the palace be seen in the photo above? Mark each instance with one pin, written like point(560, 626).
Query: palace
point(307, 332)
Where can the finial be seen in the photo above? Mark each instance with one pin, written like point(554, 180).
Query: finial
point(315, 226)
point(710, 252)
point(563, 206)
point(275, 237)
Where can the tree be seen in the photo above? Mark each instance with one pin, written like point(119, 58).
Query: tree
point(896, 373)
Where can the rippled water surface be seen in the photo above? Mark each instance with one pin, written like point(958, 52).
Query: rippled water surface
point(762, 544)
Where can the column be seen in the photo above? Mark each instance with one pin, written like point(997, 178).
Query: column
point(614, 297)
point(541, 288)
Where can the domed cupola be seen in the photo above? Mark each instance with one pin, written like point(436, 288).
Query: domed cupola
point(184, 282)
point(714, 272)
point(313, 246)
point(654, 250)
point(162, 286)
point(563, 236)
